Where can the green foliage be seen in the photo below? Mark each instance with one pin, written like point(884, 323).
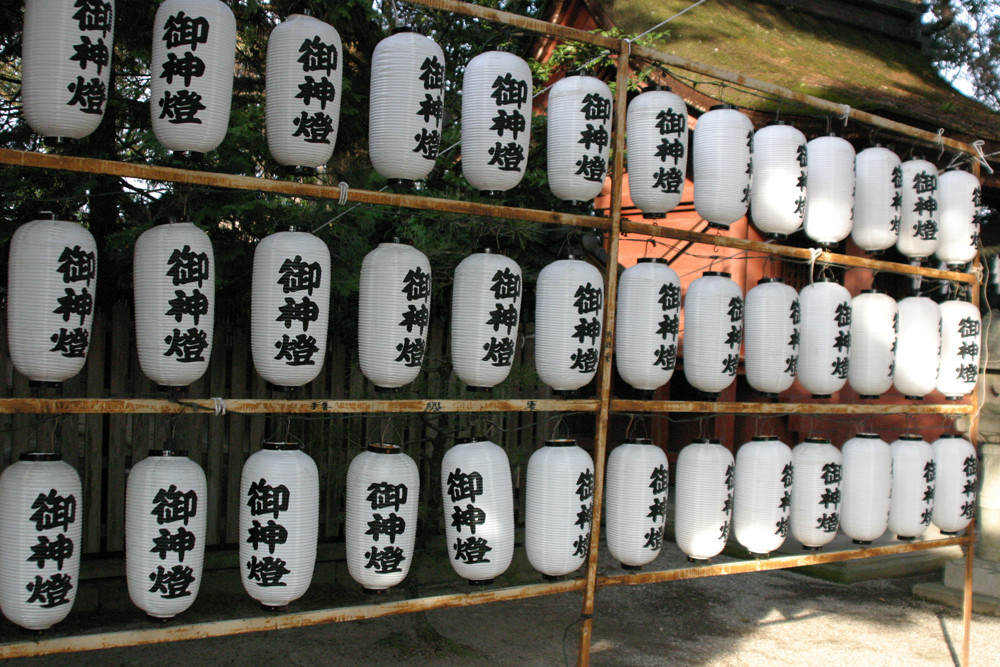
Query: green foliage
point(965, 43)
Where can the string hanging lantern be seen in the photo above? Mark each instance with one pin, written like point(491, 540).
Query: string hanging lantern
point(579, 134)
point(723, 164)
point(874, 323)
point(918, 347)
point(878, 199)
point(704, 499)
point(394, 306)
point(961, 330)
point(66, 66)
point(191, 82)
point(559, 504)
point(816, 493)
point(913, 481)
point(918, 217)
point(778, 190)
point(771, 336)
point(649, 303)
point(657, 150)
point(825, 337)
point(406, 105)
point(485, 313)
point(478, 502)
point(304, 88)
point(496, 121)
point(866, 487)
point(713, 332)
point(830, 204)
point(635, 501)
point(51, 282)
point(959, 196)
point(41, 515)
point(290, 307)
point(763, 496)
point(174, 280)
point(957, 471)
point(165, 519)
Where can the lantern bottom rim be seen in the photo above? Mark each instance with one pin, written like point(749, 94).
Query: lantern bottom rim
point(553, 577)
point(769, 394)
point(906, 538)
point(952, 398)
point(578, 203)
point(477, 388)
point(44, 384)
point(282, 388)
point(171, 388)
point(653, 215)
point(375, 591)
point(949, 533)
point(158, 619)
point(868, 397)
point(692, 559)
point(862, 542)
point(631, 568)
point(758, 555)
point(956, 266)
point(912, 397)
point(708, 395)
point(809, 548)
point(493, 194)
point(777, 236)
point(385, 390)
point(480, 582)
point(58, 141)
point(717, 225)
point(822, 395)
point(274, 608)
point(298, 170)
point(400, 182)
point(189, 156)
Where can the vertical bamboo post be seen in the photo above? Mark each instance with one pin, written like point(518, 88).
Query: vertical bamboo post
point(606, 371)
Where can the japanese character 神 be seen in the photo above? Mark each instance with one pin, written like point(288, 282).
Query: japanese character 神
point(88, 51)
point(58, 550)
point(390, 526)
point(71, 304)
point(471, 516)
point(513, 121)
point(304, 311)
point(322, 91)
point(194, 304)
point(186, 68)
point(180, 542)
point(667, 149)
point(271, 534)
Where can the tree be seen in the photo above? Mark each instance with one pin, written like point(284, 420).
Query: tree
point(965, 44)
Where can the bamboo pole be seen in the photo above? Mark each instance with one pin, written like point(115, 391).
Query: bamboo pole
point(744, 408)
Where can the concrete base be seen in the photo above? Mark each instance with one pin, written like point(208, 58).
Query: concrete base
point(985, 586)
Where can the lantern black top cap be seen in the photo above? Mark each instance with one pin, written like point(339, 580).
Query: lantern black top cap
point(710, 441)
point(641, 441)
point(724, 274)
point(764, 281)
point(475, 438)
point(651, 260)
point(397, 239)
point(762, 438)
point(658, 86)
point(40, 456)
point(46, 215)
point(404, 28)
point(384, 448)
point(580, 71)
point(911, 436)
point(169, 452)
point(287, 228)
point(721, 106)
point(824, 441)
point(282, 446)
point(560, 442)
point(870, 291)
point(867, 435)
point(169, 221)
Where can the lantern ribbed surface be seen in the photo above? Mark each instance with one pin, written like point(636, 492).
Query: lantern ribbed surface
point(657, 151)
point(304, 88)
point(559, 504)
point(713, 332)
point(174, 280)
point(496, 121)
point(913, 482)
point(778, 191)
point(647, 324)
point(816, 493)
point(51, 284)
point(918, 347)
point(866, 487)
point(569, 309)
point(957, 474)
point(958, 218)
point(873, 343)
point(383, 492)
point(722, 163)
point(918, 222)
point(703, 499)
point(579, 135)
point(279, 523)
point(830, 204)
point(405, 106)
point(65, 65)
point(877, 199)
point(771, 335)
point(485, 314)
point(635, 501)
point(191, 82)
point(478, 509)
point(825, 338)
point(290, 307)
point(166, 507)
point(763, 496)
point(961, 338)
point(394, 305)
point(41, 515)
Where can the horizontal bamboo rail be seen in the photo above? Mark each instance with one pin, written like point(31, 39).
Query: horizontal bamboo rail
point(746, 408)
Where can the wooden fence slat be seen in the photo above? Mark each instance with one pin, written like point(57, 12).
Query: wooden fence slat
point(213, 460)
point(93, 491)
point(121, 344)
point(237, 439)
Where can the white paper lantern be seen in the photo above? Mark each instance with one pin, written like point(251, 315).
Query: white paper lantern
point(65, 66)
point(830, 204)
point(51, 283)
point(405, 106)
point(918, 347)
point(569, 310)
point(649, 304)
point(961, 328)
point(478, 509)
point(166, 504)
point(874, 323)
point(958, 222)
point(383, 492)
point(957, 474)
point(559, 505)
point(279, 523)
point(918, 225)
point(778, 191)
point(579, 135)
point(635, 501)
point(304, 89)
point(657, 151)
point(722, 161)
point(496, 121)
point(763, 497)
point(704, 499)
point(713, 332)
point(878, 199)
point(394, 307)
point(866, 487)
point(174, 280)
point(816, 493)
point(825, 338)
point(913, 476)
point(41, 515)
point(771, 336)
point(290, 307)
point(191, 73)
point(485, 313)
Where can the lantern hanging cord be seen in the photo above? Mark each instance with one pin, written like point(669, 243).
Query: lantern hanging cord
point(978, 145)
point(940, 142)
point(344, 187)
point(663, 23)
point(219, 404)
point(814, 254)
point(342, 201)
point(845, 114)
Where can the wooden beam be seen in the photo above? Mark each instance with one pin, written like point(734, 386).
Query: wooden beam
point(747, 408)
